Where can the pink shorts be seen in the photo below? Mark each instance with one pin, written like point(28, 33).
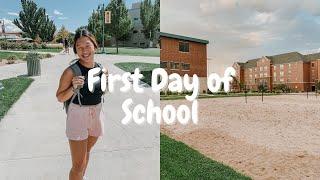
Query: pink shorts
point(83, 121)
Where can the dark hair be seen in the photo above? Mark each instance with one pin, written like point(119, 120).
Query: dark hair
point(86, 33)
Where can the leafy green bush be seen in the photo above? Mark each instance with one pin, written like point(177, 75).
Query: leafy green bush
point(282, 88)
point(43, 46)
point(3, 45)
point(12, 57)
point(48, 55)
point(12, 45)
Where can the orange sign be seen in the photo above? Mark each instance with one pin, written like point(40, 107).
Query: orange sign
point(107, 17)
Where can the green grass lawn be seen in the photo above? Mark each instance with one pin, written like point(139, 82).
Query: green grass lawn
point(154, 52)
point(131, 66)
point(13, 89)
point(203, 96)
point(19, 55)
point(49, 50)
point(53, 50)
point(5, 55)
point(145, 69)
point(178, 161)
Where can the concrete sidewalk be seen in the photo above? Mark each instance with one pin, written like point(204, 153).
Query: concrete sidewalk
point(32, 134)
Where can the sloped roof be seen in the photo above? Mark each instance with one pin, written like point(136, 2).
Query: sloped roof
point(186, 38)
point(282, 59)
point(286, 58)
point(311, 57)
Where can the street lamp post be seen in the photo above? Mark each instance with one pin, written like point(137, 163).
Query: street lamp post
point(103, 21)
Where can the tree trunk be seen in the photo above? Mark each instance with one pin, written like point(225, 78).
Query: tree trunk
point(117, 46)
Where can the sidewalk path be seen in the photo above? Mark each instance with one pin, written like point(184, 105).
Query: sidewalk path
point(32, 134)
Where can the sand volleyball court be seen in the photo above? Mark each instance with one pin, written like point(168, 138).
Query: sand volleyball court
point(275, 139)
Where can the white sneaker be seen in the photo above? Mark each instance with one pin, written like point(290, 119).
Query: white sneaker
point(84, 178)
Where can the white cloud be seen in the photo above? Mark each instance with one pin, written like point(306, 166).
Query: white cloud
point(62, 18)
point(13, 14)
point(10, 27)
point(263, 18)
point(56, 12)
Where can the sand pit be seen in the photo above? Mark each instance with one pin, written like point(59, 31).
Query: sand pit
point(276, 139)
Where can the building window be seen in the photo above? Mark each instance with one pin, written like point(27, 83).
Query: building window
point(261, 75)
point(261, 68)
point(275, 79)
point(281, 73)
point(185, 66)
point(163, 64)
point(265, 68)
point(275, 67)
point(312, 64)
point(274, 74)
point(265, 74)
point(281, 66)
point(289, 65)
point(184, 46)
point(174, 65)
point(281, 80)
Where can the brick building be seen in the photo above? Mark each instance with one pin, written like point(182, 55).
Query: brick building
point(184, 55)
point(299, 72)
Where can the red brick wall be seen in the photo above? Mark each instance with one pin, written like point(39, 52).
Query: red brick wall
point(196, 57)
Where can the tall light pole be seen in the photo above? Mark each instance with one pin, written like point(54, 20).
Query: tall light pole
point(103, 22)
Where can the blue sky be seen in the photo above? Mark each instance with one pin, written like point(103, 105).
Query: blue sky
point(71, 14)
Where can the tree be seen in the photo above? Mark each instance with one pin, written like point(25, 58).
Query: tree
point(317, 85)
point(62, 34)
point(156, 15)
point(150, 18)
point(262, 87)
point(34, 22)
point(48, 29)
point(95, 24)
point(120, 21)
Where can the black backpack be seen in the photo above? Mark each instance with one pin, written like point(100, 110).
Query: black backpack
point(76, 72)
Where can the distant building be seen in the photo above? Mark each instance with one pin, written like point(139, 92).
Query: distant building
point(137, 38)
point(10, 36)
point(299, 72)
point(184, 55)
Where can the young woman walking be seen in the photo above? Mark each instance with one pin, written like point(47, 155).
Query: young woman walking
point(84, 124)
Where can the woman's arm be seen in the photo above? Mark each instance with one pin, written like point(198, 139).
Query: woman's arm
point(65, 89)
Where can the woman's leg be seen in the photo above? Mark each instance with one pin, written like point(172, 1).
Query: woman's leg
point(91, 141)
point(78, 155)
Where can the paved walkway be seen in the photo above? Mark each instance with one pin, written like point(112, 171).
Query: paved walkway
point(32, 134)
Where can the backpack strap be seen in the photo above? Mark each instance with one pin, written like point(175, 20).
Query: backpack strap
point(76, 72)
